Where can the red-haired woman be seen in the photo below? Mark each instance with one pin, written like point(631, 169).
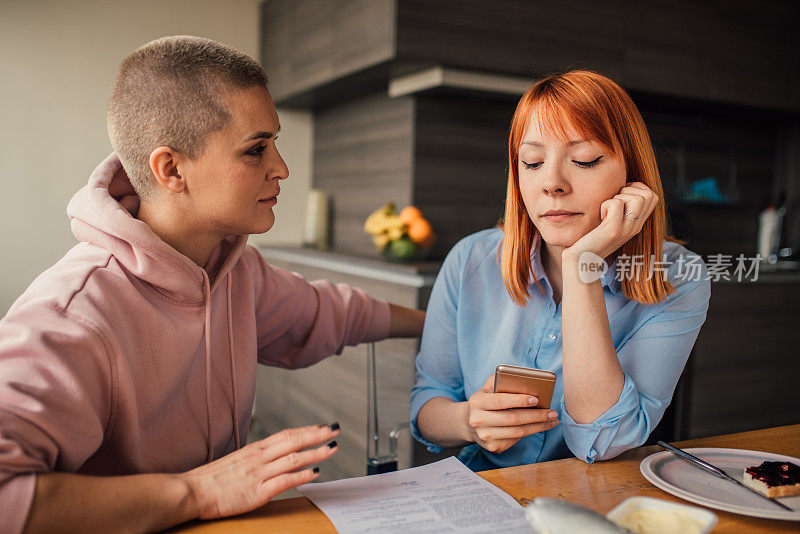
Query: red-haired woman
point(583, 187)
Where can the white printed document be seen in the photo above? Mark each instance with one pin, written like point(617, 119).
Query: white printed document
point(444, 496)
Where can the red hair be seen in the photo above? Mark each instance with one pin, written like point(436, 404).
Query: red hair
point(599, 110)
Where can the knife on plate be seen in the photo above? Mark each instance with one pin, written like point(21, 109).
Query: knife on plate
point(718, 472)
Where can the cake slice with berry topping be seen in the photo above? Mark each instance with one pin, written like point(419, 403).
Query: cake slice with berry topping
point(774, 479)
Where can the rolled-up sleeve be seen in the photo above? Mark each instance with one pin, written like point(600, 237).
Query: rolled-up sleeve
point(652, 358)
point(438, 367)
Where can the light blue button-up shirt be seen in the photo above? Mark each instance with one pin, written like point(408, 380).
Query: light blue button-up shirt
point(472, 325)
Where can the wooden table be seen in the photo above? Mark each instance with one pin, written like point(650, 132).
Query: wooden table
point(600, 486)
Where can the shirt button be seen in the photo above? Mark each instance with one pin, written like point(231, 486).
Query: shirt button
point(553, 336)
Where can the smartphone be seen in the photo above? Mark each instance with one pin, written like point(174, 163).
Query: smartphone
point(513, 379)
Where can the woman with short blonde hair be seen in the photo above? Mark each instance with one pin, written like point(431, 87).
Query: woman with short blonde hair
point(614, 314)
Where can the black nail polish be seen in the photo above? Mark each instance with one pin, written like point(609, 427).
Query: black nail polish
point(334, 427)
point(315, 470)
point(332, 444)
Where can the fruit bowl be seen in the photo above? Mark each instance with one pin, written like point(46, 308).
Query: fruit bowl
point(400, 237)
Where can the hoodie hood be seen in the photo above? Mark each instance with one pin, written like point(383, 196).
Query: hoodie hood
point(104, 212)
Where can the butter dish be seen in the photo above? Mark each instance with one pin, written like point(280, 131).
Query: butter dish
point(648, 515)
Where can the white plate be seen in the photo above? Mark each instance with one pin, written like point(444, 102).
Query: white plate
point(683, 479)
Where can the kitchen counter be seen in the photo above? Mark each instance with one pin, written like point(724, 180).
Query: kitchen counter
point(416, 275)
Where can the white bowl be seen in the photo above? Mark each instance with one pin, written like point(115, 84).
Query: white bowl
point(707, 519)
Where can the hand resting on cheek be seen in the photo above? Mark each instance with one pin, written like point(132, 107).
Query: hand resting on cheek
point(622, 217)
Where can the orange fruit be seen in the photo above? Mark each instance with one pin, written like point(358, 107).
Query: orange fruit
point(420, 232)
point(410, 213)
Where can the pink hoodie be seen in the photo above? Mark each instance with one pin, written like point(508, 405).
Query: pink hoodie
point(126, 357)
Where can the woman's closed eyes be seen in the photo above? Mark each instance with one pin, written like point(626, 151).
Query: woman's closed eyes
point(582, 164)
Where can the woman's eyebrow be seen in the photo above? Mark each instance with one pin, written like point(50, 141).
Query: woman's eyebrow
point(261, 135)
point(538, 144)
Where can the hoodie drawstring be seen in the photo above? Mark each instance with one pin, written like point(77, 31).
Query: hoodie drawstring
point(235, 416)
point(210, 455)
point(233, 367)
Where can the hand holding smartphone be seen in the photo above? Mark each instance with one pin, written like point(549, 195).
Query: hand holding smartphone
point(536, 382)
point(499, 414)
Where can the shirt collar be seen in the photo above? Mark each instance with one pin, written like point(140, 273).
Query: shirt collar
point(609, 278)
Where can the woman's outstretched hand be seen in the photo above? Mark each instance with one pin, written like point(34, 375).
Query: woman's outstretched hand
point(496, 421)
point(621, 218)
point(248, 478)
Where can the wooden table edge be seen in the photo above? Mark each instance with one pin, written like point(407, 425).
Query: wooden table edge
point(302, 516)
